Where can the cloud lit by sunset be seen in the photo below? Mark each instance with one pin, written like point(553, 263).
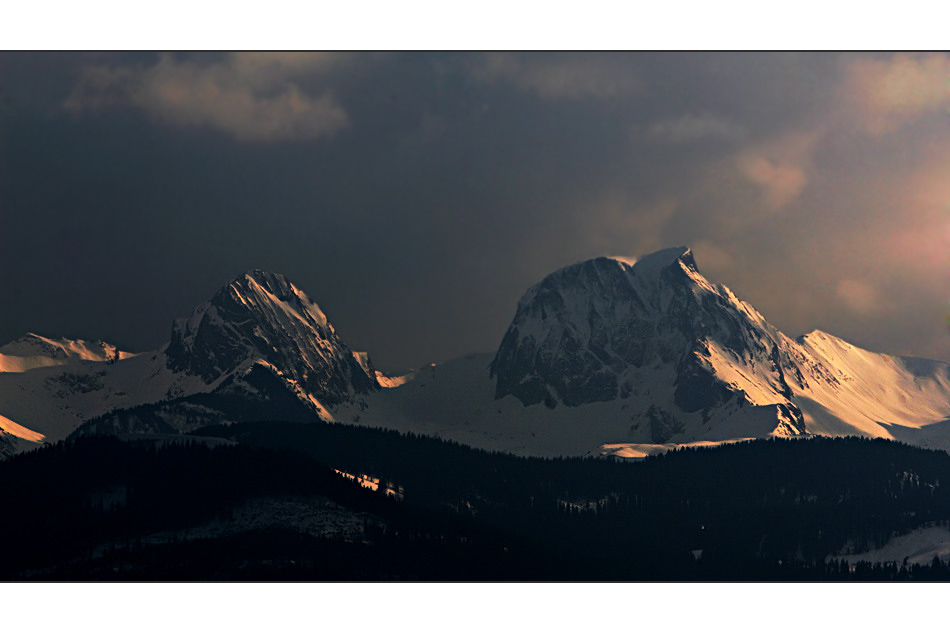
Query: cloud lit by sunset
point(442, 185)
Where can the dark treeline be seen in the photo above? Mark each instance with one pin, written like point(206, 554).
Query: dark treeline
point(63, 500)
point(764, 510)
point(80, 509)
point(749, 507)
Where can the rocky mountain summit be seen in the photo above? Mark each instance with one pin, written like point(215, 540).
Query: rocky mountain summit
point(607, 356)
point(259, 349)
point(693, 359)
point(261, 317)
point(608, 328)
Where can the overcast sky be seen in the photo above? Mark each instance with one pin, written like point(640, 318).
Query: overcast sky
point(416, 196)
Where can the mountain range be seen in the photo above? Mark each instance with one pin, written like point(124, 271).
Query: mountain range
point(609, 356)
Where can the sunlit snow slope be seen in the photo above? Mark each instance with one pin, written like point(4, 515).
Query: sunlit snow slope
point(633, 357)
point(32, 351)
point(607, 356)
point(259, 347)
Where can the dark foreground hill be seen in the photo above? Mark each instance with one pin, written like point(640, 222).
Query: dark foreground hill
point(274, 506)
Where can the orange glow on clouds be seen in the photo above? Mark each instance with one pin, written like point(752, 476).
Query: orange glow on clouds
point(887, 94)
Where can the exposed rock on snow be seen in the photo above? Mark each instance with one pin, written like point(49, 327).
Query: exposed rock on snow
point(263, 316)
point(620, 352)
point(607, 356)
point(32, 351)
point(259, 349)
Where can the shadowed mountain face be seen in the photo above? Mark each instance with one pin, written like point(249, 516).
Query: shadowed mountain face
point(259, 349)
point(658, 334)
point(605, 355)
point(265, 351)
point(577, 335)
point(262, 316)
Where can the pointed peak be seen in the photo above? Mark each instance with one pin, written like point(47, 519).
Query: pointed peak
point(28, 340)
point(660, 260)
point(62, 349)
point(668, 256)
point(823, 343)
point(262, 283)
point(606, 271)
point(276, 283)
point(820, 337)
point(815, 335)
point(261, 276)
point(33, 339)
point(29, 336)
point(645, 266)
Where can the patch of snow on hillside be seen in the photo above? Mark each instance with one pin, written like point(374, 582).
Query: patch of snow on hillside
point(33, 351)
point(920, 546)
point(11, 427)
point(862, 392)
point(640, 451)
point(389, 382)
point(372, 483)
point(54, 401)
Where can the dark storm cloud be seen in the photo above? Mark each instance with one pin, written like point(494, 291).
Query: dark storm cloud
point(416, 196)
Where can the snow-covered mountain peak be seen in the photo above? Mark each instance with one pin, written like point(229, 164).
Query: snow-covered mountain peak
point(688, 360)
point(602, 284)
point(59, 348)
point(274, 282)
point(609, 351)
point(260, 348)
point(577, 334)
point(653, 333)
point(263, 316)
point(598, 270)
point(32, 350)
point(820, 338)
point(262, 286)
point(655, 263)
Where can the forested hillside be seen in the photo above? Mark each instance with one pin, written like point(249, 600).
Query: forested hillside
point(99, 507)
